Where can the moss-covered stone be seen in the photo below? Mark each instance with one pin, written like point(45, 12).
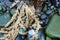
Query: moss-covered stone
point(53, 28)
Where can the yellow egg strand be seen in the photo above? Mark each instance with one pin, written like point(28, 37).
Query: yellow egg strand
point(22, 19)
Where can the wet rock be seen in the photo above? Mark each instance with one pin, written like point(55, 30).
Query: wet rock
point(53, 28)
point(59, 11)
point(22, 30)
point(1, 1)
point(4, 19)
point(41, 35)
point(43, 16)
point(12, 11)
point(19, 38)
point(48, 38)
point(49, 12)
point(1, 35)
point(8, 3)
point(31, 33)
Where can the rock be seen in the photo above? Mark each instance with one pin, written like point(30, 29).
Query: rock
point(48, 38)
point(4, 19)
point(49, 12)
point(8, 3)
point(52, 7)
point(17, 3)
point(46, 21)
point(43, 16)
point(0, 8)
point(1, 1)
point(53, 28)
point(41, 35)
point(22, 30)
point(1, 35)
point(19, 38)
point(45, 8)
point(31, 33)
point(59, 11)
point(13, 11)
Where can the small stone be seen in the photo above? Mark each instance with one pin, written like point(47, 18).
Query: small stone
point(0, 7)
point(53, 28)
point(49, 12)
point(18, 38)
point(52, 7)
point(8, 3)
point(46, 21)
point(41, 35)
point(4, 19)
point(31, 33)
point(45, 8)
point(21, 30)
point(13, 11)
point(1, 35)
point(1, 1)
point(59, 11)
point(17, 1)
point(43, 16)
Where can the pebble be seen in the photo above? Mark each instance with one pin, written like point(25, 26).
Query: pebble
point(31, 33)
point(59, 11)
point(43, 16)
point(1, 35)
point(1, 1)
point(0, 7)
point(45, 22)
point(4, 19)
point(49, 12)
point(21, 30)
point(41, 35)
point(19, 38)
point(8, 3)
